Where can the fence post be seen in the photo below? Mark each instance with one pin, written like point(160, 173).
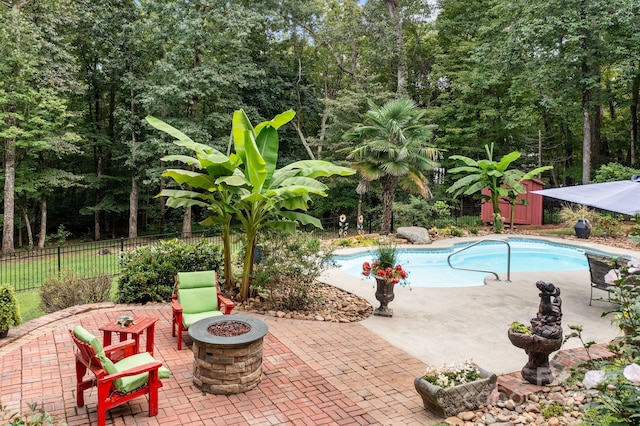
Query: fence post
point(121, 244)
point(59, 260)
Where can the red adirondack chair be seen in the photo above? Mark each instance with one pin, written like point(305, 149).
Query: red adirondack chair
point(119, 373)
point(196, 297)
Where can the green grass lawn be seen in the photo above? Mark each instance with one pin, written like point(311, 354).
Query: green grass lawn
point(29, 304)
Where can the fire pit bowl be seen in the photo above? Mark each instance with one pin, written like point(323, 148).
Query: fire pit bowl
point(228, 361)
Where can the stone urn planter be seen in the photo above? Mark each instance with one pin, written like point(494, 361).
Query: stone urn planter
point(447, 402)
point(384, 295)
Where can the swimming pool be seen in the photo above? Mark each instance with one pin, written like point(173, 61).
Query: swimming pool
point(429, 267)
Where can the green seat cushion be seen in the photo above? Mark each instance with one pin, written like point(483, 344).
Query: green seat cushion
point(130, 383)
point(197, 300)
point(197, 279)
point(189, 319)
point(84, 336)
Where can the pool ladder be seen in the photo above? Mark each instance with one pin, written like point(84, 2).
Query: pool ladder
point(481, 270)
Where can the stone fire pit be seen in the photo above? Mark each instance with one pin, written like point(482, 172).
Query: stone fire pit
point(227, 353)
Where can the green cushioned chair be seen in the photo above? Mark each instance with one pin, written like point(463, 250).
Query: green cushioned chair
point(196, 296)
point(120, 373)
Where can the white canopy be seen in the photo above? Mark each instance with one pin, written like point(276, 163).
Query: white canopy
point(620, 197)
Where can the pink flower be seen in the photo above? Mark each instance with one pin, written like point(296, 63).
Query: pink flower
point(632, 373)
point(593, 378)
point(612, 276)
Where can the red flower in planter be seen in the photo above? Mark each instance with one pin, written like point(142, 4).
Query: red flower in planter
point(393, 275)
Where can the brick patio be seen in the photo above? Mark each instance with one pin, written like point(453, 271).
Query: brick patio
point(315, 373)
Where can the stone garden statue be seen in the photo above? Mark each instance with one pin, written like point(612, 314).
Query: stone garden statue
point(543, 337)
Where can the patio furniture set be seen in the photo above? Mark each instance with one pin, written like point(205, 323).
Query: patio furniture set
point(119, 370)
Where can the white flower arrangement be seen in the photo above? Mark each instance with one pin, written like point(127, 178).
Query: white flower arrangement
point(450, 375)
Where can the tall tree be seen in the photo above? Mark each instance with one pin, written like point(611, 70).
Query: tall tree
point(38, 75)
point(394, 148)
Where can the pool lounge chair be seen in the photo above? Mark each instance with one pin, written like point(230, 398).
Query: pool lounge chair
point(599, 266)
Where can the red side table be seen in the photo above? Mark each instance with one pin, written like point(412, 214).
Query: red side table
point(139, 326)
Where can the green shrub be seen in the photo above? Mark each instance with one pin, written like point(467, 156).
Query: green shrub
point(9, 310)
point(290, 267)
point(456, 232)
point(609, 225)
point(614, 171)
point(147, 272)
point(70, 289)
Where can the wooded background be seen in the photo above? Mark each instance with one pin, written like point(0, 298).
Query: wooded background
point(558, 81)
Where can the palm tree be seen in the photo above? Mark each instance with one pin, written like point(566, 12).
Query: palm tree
point(394, 149)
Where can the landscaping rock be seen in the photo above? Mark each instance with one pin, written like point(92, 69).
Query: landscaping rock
point(414, 234)
point(337, 306)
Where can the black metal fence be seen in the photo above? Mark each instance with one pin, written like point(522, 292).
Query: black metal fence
point(29, 269)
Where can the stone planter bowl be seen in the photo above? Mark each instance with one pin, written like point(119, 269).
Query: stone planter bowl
point(451, 401)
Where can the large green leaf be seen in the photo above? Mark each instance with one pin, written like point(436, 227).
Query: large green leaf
point(302, 218)
point(267, 144)
point(240, 126)
point(277, 121)
point(506, 160)
point(234, 180)
point(185, 193)
point(460, 184)
point(255, 168)
point(468, 161)
point(317, 168)
point(185, 202)
point(167, 128)
point(190, 161)
point(463, 169)
point(194, 179)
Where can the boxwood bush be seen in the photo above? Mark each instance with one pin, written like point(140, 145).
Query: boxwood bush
point(147, 272)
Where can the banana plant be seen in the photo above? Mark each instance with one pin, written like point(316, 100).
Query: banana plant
point(245, 185)
point(203, 187)
point(271, 197)
point(493, 175)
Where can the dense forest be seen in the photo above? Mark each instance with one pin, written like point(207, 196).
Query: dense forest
point(558, 81)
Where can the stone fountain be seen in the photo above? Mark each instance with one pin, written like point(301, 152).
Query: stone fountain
point(545, 337)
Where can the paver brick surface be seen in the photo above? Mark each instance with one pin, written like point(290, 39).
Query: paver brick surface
point(315, 373)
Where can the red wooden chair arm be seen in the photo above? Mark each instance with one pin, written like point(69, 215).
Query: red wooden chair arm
point(150, 366)
point(125, 344)
point(120, 350)
point(175, 305)
point(225, 305)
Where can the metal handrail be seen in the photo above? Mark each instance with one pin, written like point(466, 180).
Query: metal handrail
point(481, 270)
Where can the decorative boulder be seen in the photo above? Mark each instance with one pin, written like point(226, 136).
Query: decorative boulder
point(414, 234)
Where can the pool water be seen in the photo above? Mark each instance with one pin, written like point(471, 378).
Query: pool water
point(429, 268)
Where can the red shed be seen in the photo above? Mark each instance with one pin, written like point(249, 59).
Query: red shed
point(525, 214)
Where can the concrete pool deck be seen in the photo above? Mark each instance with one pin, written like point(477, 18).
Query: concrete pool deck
point(444, 325)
